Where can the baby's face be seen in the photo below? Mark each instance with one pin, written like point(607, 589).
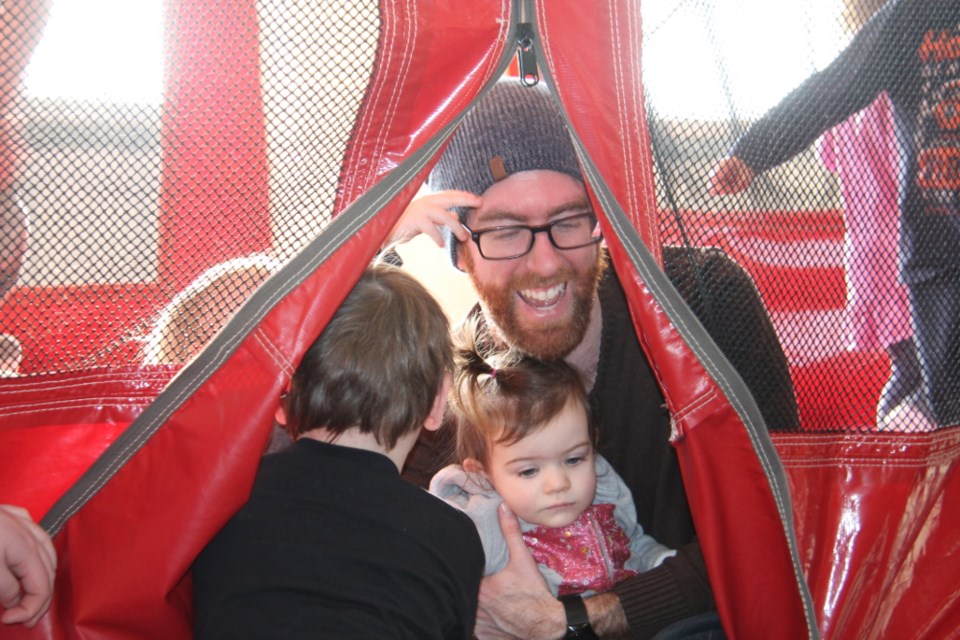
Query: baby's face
point(548, 478)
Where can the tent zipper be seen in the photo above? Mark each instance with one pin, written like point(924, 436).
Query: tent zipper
point(526, 55)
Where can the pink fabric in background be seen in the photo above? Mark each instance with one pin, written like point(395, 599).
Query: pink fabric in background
point(864, 154)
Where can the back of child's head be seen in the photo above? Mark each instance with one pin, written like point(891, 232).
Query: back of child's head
point(500, 396)
point(198, 312)
point(379, 363)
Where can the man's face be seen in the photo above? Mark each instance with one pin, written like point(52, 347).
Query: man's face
point(539, 303)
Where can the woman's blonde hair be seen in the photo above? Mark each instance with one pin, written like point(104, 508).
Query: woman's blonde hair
point(198, 312)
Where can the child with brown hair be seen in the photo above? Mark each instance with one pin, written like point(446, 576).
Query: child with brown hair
point(525, 437)
point(333, 543)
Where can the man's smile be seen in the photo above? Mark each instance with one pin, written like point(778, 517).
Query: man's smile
point(543, 298)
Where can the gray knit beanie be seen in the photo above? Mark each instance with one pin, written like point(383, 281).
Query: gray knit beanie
point(513, 128)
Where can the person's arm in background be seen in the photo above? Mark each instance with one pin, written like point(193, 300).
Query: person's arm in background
point(28, 564)
point(730, 175)
point(850, 83)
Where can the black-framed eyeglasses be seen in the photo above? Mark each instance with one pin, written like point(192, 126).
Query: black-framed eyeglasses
point(516, 240)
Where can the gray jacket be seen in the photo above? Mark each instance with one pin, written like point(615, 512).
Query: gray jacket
point(473, 494)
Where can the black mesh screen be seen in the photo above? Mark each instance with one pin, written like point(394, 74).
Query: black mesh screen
point(143, 149)
point(217, 141)
point(830, 229)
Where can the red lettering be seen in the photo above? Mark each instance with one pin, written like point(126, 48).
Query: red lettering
point(938, 46)
point(939, 169)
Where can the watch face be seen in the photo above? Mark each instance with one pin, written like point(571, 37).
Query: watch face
point(581, 631)
point(578, 622)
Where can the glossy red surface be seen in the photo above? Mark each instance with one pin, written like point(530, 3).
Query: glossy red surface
point(875, 529)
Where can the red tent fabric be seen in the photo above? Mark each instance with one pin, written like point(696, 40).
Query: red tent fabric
point(804, 534)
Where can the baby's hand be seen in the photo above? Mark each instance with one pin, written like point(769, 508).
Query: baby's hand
point(429, 214)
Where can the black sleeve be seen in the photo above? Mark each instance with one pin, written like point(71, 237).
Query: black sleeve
point(675, 590)
point(850, 83)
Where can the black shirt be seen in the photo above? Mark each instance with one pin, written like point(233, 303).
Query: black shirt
point(334, 544)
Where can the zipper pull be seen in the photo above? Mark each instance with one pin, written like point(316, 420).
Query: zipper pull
point(526, 56)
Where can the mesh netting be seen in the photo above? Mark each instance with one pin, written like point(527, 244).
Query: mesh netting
point(148, 198)
point(220, 136)
point(829, 128)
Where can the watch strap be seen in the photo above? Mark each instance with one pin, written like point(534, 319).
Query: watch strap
point(578, 622)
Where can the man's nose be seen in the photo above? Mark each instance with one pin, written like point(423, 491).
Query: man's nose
point(543, 257)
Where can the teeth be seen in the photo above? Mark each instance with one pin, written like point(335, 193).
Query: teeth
point(544, 295)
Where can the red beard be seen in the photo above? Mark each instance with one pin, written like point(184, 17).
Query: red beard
point(547, 340)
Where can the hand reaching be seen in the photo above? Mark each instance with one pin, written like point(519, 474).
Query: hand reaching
point(516, 602)
point(731, 175)
point(428, 214)
point(28, 564)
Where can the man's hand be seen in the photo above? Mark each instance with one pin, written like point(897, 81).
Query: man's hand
point(428, 214)
point(28, 564)
point(731, 175)
point(516, 602)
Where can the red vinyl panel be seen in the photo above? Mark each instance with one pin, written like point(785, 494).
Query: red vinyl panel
point(54, 426)
point(875, 527)
point(593, 50)
point(434, 62)
point(878, 531)
point(744, 541)
point(125, 556)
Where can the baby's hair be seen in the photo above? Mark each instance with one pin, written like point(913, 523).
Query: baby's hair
point(501, 395)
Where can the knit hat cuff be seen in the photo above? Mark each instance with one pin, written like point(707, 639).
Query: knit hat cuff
point(514, 128)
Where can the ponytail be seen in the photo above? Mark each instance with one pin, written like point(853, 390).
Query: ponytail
point(501, 396)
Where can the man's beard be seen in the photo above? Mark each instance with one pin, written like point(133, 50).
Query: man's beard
point(549, 340)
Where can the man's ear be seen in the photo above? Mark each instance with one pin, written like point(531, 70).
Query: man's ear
point(472, 465)
point(435, 420)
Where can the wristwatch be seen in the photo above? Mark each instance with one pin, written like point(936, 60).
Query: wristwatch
point(578, 622)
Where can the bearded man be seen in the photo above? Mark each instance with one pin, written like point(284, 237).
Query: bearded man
point(530, 243)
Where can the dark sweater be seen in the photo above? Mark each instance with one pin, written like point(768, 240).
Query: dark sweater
point(634, 437)
point(635, 424)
